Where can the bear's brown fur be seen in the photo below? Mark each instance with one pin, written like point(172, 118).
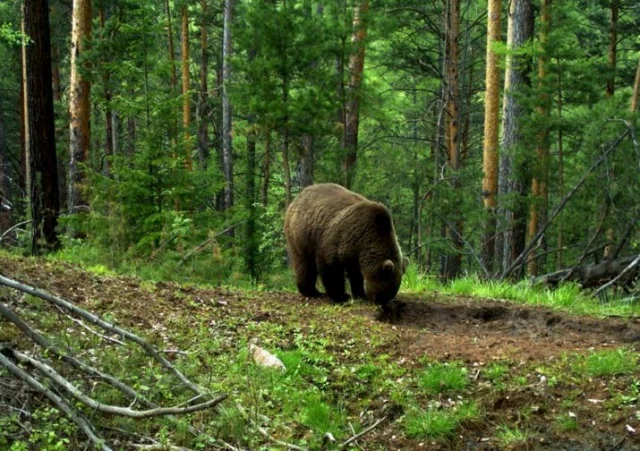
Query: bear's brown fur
point(331, 230)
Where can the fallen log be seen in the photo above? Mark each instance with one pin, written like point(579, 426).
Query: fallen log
point(594, 275)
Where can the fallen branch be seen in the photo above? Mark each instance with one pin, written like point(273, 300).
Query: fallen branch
point(207, 241)
point(103, 324)
point(82, 423)
point(11, 229)
point(94, 332)
point(589, 276)
point(626, 270)
point(159, 447)
point(108, 408)
point(523, 255)
point(266, 434)
point(362, 433)
point(466, 243)
point(71, 360)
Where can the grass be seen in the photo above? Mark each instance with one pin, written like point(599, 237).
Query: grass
point(568, 297)
point(443, 378)
point(434, 423)
point(610, 362)
point(511, 436)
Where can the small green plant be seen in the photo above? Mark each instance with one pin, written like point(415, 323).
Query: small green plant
point(508, 436)
point(321, 417)
point(610, 362)
point(434, 423)
point(496, 371)
point(567, 422)
point(444, 378)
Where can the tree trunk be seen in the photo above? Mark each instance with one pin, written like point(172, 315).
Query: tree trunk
point(186, 104)
point(560, 261)
point(6, 201)
point(42, 141)
point(538, 207)
point(202, 106)
point(266, 168)
point(55, 72)
point(511, 182)
point(25, 117)
point(490, 146)
point(227, 144)
point(250, 198)
point(356, 68)
point(451, 263)
point(611, 87)
point(106, 84)
point(79, 107)
point(305, 164)
point(172, 57)
point(636, 90)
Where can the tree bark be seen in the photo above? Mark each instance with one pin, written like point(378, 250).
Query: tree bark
point(6, 201)
point(352, 113)
point(203, 106)
point(451, 264)
point(539, 192)
point(636, 90)
point(611, 87)
point(266, 168)
point(172, 57)
point(79, 107)
point(305, 163)
point(186, 103)
point(560, 261)
point(250, 198)
point(40, 117)
point(108, 113)
point(511, 181)
point(590, 276)
point(227, 144)
point(490, 146)
point(24, 132)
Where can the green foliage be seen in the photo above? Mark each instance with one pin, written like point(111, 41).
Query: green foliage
point(511, 436)
point(438, 424)
point(611, 362)
point(443, 378)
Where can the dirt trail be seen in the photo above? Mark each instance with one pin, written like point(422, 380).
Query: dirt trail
point(478, 330)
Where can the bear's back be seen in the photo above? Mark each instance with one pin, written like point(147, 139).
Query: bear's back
point(313, 209)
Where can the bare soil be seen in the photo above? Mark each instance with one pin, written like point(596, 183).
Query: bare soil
point(474, 331)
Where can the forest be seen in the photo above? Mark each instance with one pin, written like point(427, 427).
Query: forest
point(150, 149)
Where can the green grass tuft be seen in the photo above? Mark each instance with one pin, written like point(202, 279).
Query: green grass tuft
point(611, 362)
point(511, 436)
point(444, 378)
point(438, 424)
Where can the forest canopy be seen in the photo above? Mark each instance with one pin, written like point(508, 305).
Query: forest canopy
point(501, 135)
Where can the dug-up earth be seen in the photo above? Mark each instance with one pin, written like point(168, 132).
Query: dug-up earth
point(524, 365)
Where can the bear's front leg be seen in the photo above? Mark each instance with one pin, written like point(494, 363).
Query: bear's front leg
point(356, 281)
point(332, 277)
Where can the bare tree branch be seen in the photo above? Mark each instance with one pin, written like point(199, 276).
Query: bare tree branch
point(108, 408)
point(362, 433)
point(56, 400)
point(561, 206)
point(103, 324)
point(94, 332)
point(631, 265)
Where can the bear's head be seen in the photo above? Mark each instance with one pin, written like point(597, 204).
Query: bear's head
point(382, 284)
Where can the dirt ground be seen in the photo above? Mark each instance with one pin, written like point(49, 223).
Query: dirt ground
point(474, 331)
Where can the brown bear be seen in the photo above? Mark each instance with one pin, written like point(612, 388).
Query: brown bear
point(331, 230)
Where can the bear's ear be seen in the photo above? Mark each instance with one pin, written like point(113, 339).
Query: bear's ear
point(388, 266)
point(405, 263)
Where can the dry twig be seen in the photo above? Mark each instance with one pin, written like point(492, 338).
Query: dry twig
point(82, 423)
point(103, 324)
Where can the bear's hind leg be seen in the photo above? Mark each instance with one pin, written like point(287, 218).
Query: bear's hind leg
point(306, 276)
point(333, 280)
